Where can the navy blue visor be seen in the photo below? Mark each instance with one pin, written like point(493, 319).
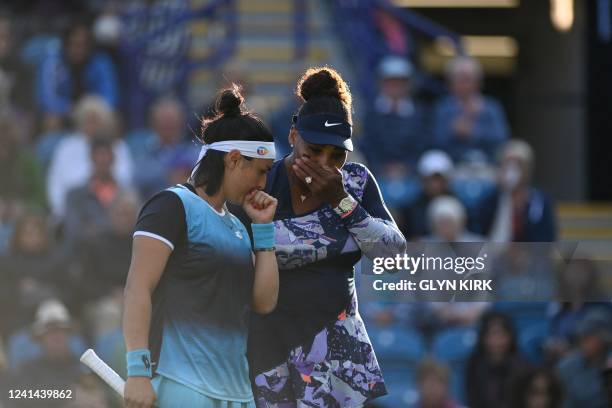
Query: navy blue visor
point(324, 129)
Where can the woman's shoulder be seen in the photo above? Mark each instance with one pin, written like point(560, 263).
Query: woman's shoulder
point(167, 200)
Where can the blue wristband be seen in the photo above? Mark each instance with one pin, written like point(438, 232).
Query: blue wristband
point(263, 235)
point(139, 363)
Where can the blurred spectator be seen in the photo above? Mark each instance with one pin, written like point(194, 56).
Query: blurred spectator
point(395, 131)
point(155, 59)
point(21, 179)
point(15, 77)
point(107, 29)
point(77, 70)
point(71, 165)
point(579, 294)
point(523, 272)
point(280, 124)
point(90, 392)
point(163, 150)
point(31, 271)
point(582, 371)
point(535, 388)
point(433, 381)
point(58, 368)
point(447, 219)
point(104, 263)
point(435, 168)
point(493, 363)
point(3, 375)
point(467, 120)
point(517, 211)
point(3, 359)
point(608, 377)
point(87, 205)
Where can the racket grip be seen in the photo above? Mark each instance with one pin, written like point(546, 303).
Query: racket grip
point(98, 366)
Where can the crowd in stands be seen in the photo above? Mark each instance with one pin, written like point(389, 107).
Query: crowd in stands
point(74, 174)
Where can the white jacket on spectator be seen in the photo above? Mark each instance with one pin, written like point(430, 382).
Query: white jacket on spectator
point(71, 167)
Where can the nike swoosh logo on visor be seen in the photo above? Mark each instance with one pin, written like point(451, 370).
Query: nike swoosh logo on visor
point(331, 124)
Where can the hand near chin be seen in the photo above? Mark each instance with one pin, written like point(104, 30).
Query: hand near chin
point(260, 206)
point(324, 182)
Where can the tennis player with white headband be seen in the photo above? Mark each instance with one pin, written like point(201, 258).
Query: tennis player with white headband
point(193, 278)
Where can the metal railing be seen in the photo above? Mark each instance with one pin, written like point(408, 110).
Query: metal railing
point(356, 25)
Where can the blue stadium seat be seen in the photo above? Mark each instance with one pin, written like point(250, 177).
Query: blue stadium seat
point(399, 192)
point(401, 388)
point(23, 348)
point(471, 191)
point(453, 346)
point(531, 339)
point(524, 314)
point(37, 47)
point(110, 347)
point(398, 350)
point(396, 343)
point(107, 343)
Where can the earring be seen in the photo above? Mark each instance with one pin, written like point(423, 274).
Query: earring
point(291, 146)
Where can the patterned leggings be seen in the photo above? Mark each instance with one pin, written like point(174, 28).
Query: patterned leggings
point(340, 370)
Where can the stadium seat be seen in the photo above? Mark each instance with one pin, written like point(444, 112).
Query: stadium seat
point(399, 192)
point(531, 338)
point(23, 348)
point(397, 343)
point(401, 388)
point(398, 350)
point(524, 314)
point(471, 191)
point(110, 347)
point(37, 47)
point(453, 346)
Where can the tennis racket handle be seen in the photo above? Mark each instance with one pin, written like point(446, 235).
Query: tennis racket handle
point(91, 360)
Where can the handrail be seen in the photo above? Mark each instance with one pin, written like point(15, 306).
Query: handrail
point(135, 49)
point(419, 23)
point(354, 22)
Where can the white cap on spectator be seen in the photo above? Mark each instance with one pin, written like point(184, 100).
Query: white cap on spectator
point(446, 207)
point(107, 29)
point(51, 312)
point(435, 162)
point(519, 149)
point(394, 67)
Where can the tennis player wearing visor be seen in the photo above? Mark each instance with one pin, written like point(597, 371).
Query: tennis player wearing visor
point(313, 350)
point(194, 280)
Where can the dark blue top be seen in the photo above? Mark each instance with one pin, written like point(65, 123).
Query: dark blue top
point(489, 131)
point(55, 83)
point(390, 138)
point(538, 220)
point(316, 253)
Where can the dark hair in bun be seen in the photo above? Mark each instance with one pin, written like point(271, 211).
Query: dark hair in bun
point(324, 91)
point(230, 122)
point(229, 102)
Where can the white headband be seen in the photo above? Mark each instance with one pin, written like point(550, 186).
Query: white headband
point(249, 148)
